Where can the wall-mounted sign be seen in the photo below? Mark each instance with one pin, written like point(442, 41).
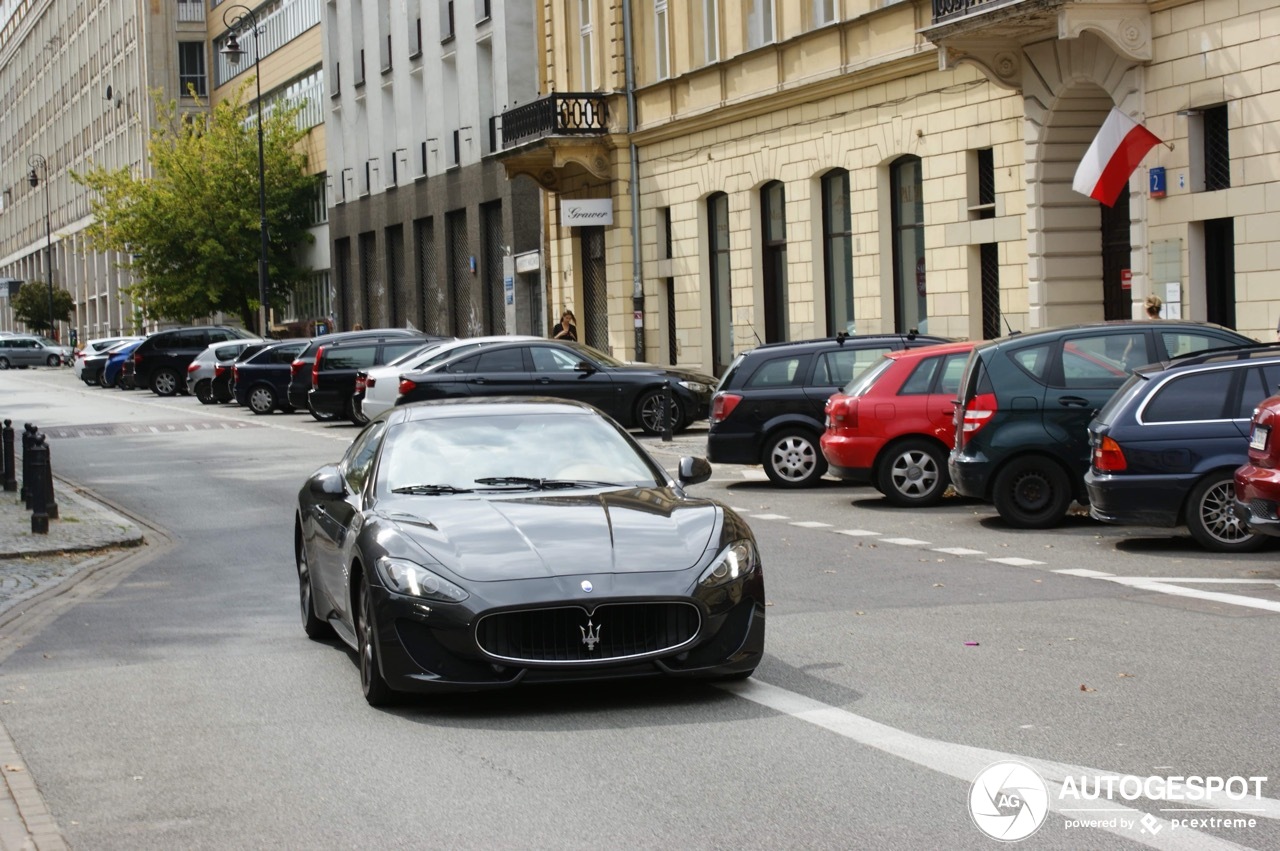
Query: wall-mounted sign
point(586, 212)
point(1157, 182)
point(530, 261)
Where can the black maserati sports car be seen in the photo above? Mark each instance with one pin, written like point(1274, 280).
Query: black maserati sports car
point(482, 543)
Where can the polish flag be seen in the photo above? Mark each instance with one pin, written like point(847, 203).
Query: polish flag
point(1116, 151)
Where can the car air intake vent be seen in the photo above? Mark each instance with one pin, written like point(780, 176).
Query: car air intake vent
point(1264, 509)
point(569, 634)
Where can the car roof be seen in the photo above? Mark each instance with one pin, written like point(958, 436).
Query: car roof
point(841, 339)
point(932, 351)
point(1106, 323)
point(487, 405)
point(376, 339)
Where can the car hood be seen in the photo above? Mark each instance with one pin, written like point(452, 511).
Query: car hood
point(484, 539)
point(678, 374)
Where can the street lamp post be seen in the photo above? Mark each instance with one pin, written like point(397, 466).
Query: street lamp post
point(233, 16)
point(38, 162)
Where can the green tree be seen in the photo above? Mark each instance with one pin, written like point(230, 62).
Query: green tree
point(31, 305)
point(190, 231)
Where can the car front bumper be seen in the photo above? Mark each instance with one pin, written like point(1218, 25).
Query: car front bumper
point(426, 646)
point(1257, 502)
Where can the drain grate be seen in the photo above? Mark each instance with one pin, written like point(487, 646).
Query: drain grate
point(113, 429)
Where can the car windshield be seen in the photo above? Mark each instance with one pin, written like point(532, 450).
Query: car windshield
point(863, 381)
point(413, 353)
point(445, 455)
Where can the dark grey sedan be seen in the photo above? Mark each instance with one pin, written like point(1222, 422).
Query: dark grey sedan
point(479, 544)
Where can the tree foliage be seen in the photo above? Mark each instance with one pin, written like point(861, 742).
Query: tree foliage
point(31, 305)
point(190, 232)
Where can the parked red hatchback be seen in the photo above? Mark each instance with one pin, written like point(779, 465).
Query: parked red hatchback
point(1258, 481)
point(893, 425)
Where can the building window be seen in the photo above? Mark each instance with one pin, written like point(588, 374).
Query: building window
point(837, 251)
point(982, 184)
point(823, 11)
point(1217, 153)
point(586, 45)
point(191, 75)
point(661, 50)
point(669, 286)
point(759, 23)
point(989, 258)
point(710, 31)
point(447, 31)
point(721, 290)
point(435, 301)
point(907, 208)
point(773, 215)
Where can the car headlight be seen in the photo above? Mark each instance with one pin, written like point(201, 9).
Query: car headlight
point(695, 386)
point(405, 577)
point(735, 561)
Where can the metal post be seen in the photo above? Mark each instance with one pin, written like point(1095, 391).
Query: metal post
point(39, 472)
point(10, 469)
point(28, 435)
point(666, 411)
point(50, 500)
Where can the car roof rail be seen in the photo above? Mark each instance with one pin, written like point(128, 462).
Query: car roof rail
point(1227, 353)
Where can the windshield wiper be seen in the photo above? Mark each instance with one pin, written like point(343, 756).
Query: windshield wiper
point(429, 490)
point(543, 484)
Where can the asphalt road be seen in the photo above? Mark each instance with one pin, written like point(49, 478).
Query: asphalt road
point(181, 706)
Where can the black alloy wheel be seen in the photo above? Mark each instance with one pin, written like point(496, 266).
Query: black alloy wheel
point(1211, 517)
point(913, 473)
point(649, 413)
point(376, 690)
point(792, 458)
point(164, 382)
point(316, 629)
point(1032, 493)
point(204, 391)
point(262, 399)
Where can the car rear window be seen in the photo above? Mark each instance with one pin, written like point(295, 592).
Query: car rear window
point(921, 378)
point(1134, 385)
point(729, 373)
point(349, 357)
point(778, 372)
point(1189, 398)
point(836, 368)
point(391, 351)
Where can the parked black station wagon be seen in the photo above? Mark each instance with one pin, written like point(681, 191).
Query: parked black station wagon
point(300, 368)
point(1026, 400)
point(768, 407)
point(160, 362)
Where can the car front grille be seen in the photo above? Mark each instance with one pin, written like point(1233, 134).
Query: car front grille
point(570, 634)
point(1263, 509)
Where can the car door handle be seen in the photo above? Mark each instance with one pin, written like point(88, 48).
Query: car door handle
point(1072, 401)
point(544, 380)
point(476, 381)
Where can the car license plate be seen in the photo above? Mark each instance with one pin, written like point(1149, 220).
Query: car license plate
point(1258, 440)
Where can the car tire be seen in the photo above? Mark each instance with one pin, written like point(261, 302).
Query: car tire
point(913, 473)
point(649, 413)
point(376, 690)
point(164, 382)
point(1211, 517)
point(53, 360)
point(4, 363)
point(91, 382)
point(792, 458)
point(318, 416)
point(1032, 493)
point(204, 392)
point(261, 399)
point(315, 628)
point(102, 381)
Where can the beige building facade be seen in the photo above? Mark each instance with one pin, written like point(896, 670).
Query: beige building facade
point(807, 168)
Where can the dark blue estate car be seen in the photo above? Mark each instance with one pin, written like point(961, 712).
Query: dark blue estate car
point(261, 381)
point(110, 375)
point(1165, 448)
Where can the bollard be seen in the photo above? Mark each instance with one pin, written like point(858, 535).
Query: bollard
point(6, 446)
point(51, 503)
point(38, 484)
point(28, 435)
point(666, 411)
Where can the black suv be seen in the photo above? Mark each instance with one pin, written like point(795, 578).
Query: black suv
point(333, 374)
point(1026, 400)
point(300, 369)
point(160, 362)
point(768, 407)
point(1167, 445)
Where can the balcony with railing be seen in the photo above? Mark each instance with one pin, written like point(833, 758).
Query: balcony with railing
point(309, 95)
point(556, 136)
point(556, 115)
point(191, 11)
point(945, 10)
point(289, 20)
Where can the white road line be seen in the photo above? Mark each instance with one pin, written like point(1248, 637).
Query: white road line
point(1080, 571)
point(906, 542)
point(964, 762)
point(755, 475)
point(810, 524)
point(1014, 561)
point(1141, 584)
point(1202, 581)
point(958, 551)
point(858, 533)
point(769, 517)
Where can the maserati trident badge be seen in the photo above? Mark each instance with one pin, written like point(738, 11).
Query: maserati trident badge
point(587, 586)
point(590, 636)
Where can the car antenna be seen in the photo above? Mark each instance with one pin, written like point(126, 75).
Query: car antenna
point(1005, 320)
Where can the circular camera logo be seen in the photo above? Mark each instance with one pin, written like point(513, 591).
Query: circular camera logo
point(1008, 801)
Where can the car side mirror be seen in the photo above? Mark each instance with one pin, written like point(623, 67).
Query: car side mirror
point(694, 471)
point(327, 483)
point(584, 366)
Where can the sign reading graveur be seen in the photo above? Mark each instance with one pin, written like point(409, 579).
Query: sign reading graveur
point(586, 212)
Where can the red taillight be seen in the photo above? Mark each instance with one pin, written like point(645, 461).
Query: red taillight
point(407, 386)
point(295, 368)
point(842, 412)
point(315, 367)
point(218, 370)
point(978, 412)
point(361, 378)
point(193, 367)
point(1108, 457)
point(137, 358)
point(370, 381)
point(235, 373)
point(722, 405)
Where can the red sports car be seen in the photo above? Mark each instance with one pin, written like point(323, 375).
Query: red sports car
point(892, 425)
point(1258, 481)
